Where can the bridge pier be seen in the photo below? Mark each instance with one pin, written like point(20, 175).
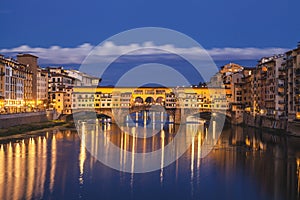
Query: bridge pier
point(177, 116)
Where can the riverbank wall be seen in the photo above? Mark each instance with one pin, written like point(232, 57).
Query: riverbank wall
point(10, 120)
point(271, 123)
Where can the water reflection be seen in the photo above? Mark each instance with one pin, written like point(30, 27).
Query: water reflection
point(245, 163)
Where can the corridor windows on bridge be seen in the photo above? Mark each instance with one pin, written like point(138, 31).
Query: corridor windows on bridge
point(138, 92)
point(160, 91)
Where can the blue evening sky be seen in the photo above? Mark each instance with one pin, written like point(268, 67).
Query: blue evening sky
point(213, 23)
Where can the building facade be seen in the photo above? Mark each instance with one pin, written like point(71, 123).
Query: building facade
point(31, 61)
point(84, 98)
point(60, 86)
point(42, 88)
point(292, 68)
point(16, 86)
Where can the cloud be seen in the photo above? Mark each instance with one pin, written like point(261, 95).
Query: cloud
point(62, 55)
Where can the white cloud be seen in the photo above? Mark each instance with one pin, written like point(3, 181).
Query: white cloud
point(62, 55)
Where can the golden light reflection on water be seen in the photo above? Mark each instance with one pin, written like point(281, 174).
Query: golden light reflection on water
point(298, 173)
point(29, 167)
point(2, 169)
point(23, 166)
point(82, 158)
point(162, 155)
point(53, 162)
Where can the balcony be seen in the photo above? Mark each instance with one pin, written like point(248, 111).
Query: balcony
point(281, 69)
point(281, 102)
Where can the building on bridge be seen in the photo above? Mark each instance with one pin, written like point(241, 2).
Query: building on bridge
point(86, 98)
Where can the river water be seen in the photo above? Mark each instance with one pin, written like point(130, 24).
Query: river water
point(245, 163)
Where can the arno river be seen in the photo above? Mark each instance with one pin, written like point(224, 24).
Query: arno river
point(245, 164)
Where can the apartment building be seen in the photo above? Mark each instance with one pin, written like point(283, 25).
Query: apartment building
point(292, 67)
point(31, 61)
point(269, 87)
point(59, 89)
point(83, 79)
point(229, 80)
point(2, 85)
point(42, 88)
point(247, 93)
point(16, 86)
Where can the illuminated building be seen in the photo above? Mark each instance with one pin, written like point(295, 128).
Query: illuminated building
point(16, 86)
point(109, 97)
point(31, 85)
point(59, 89)
point(292, 65)
point(42, 89)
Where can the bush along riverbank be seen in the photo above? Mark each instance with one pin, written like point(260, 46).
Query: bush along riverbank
point(21, 129)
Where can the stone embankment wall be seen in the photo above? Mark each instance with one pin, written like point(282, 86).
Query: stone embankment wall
point(10, 120)
point(264, 122)
point(294, 128)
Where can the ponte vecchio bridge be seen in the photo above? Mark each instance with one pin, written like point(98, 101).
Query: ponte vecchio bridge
point(177, 103)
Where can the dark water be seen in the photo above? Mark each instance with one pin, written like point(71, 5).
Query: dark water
point(244, 164)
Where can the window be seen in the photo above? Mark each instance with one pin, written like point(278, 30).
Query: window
point(239, 99)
